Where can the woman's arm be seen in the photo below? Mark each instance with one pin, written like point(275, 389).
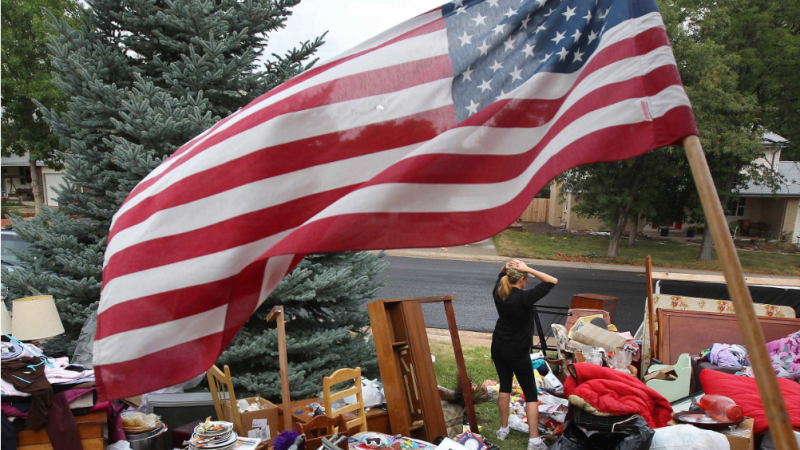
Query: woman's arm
point(522, 267)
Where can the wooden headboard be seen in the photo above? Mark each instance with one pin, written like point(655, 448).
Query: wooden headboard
point(693, 331)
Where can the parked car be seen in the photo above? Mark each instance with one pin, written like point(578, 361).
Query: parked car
point(10, 241)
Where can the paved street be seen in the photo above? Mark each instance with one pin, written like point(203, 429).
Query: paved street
point(471, 282)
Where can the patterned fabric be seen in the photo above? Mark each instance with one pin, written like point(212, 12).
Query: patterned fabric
point(785, 356)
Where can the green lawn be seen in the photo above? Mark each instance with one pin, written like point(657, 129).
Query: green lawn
point(665, 253)
point(479, 368)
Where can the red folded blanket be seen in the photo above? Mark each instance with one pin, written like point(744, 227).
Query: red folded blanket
point(613, 392)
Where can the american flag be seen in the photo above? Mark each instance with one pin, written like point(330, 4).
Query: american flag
point(437, 132)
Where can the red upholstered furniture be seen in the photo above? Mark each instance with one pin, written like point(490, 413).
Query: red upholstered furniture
point(744, 392)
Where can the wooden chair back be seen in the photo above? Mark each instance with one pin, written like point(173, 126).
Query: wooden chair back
point(221, 384)
point(320, 427)
point(341, 376)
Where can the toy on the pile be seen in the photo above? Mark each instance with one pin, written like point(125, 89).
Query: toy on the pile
point(471, 441)
point(370, 440)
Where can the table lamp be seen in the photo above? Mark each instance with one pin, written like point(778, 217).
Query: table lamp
point(35, 318)
point(5, 324)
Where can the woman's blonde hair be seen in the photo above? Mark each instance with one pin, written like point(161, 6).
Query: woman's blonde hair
point(505, 287)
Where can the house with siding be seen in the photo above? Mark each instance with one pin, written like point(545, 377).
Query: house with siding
point(757, 212)
point(16, 179)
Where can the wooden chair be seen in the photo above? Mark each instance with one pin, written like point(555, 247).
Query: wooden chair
point(359, 424)
point(321, 427)
point(224, 402)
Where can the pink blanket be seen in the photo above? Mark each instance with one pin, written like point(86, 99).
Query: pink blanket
point(785, 355)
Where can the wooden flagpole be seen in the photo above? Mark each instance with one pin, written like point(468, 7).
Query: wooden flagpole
point(771, 396)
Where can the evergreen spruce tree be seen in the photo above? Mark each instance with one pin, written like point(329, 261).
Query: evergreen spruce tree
point(144, 77)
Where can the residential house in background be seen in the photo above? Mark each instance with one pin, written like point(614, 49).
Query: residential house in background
point(16, 179)
point(757, 212)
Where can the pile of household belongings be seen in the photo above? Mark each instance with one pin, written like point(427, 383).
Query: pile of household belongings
point(463, 441)
point(552, 408)
point(784, 354)
point(597, 342)
point(372, 441)
point(43, 390)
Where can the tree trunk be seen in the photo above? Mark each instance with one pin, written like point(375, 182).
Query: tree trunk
point(616, 235)
point(706, 245)
point(634, 228)
point(36, 187)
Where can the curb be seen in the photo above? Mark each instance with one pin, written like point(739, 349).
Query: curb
point(567, 264)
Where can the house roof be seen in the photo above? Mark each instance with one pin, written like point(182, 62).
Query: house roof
point(789, 188)
point(18, 161)
point(770, 138)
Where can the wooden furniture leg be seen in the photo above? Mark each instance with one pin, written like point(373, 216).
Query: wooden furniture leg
point(463, 377)
point(277, 315)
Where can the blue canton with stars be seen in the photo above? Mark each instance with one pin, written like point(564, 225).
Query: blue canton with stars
point(496, 45)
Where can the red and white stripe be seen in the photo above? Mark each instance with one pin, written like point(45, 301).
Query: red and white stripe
point(362, 152)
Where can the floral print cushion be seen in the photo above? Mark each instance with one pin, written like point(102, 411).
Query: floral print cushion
point(720, 306)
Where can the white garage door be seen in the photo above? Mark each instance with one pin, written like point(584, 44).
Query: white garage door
point(52, 180)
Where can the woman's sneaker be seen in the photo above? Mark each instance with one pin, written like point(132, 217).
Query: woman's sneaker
point(502, 434)
point(539, 446)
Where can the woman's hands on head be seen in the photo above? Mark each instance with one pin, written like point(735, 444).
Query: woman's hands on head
point(518, 265)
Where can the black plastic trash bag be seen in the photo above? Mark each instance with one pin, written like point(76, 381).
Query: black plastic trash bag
point(630, 434)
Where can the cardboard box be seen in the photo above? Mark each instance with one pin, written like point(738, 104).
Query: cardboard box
point(253, 420)
point(741, 443)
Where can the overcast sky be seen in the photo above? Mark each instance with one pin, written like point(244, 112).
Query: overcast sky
point(348, 22)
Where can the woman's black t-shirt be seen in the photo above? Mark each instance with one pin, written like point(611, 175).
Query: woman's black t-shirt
point(513, 333)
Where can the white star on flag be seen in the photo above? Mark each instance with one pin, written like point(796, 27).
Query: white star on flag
point(528, 50)
point(516, 74)
point(588, 16)
point(467, 74)
point(473, 107)
point(559, 37)
point(578, 56)
point(484, 48)
point(592, 36)
point(509, 43)
point(546, 57)
point(569, 12)
point(509, 13)
point(485, 86)
point(465, 39)
point(576, 35)
point(499, 29)
point(480, 20)
point(496, 66)
point(562, 55)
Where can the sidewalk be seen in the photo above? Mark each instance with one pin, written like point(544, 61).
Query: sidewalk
point(486, 252)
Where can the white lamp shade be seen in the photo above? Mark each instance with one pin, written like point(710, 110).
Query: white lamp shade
point(35, 318)
point(6, 322)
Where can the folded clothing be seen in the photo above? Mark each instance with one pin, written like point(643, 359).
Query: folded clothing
point(27, 375)
point(10, 351)
point(725, 355)
point(613, 392)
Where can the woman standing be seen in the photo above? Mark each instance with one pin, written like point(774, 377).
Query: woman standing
point(512, 340)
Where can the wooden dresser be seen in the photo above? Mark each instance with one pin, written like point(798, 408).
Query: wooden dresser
point(92, 427)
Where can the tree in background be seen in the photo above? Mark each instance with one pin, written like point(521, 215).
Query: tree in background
point(144, 77)
point(720, 49)
point(618, 191)
point(26, 75)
